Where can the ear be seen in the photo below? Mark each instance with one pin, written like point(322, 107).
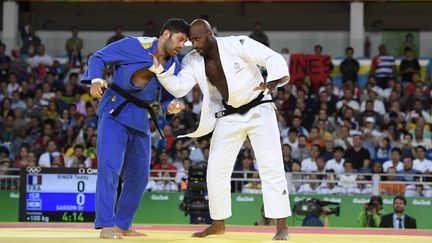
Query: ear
point(166, 34)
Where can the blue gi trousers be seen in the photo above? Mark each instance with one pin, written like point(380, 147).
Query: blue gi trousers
point(125, 152)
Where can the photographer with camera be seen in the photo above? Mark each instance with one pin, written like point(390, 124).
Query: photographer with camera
point(371, 215)
point(313, 209)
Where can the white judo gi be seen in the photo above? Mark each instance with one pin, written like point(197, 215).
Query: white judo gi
point(239, 56)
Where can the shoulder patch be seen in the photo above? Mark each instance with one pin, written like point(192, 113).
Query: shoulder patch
point(242, 41)
point(146, 42)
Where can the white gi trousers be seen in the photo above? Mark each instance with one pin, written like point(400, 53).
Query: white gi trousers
point(260, 125)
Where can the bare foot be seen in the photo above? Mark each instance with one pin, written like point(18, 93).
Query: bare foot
point(281, 230)
point(216, 228)
point(129, 232)
point(110, 233)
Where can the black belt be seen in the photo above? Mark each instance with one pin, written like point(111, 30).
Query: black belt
point(242, 109)
point(132, 99)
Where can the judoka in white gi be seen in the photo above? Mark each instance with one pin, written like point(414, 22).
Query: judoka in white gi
point(226, 70)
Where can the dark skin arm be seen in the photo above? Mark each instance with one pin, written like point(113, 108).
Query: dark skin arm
point(271, 85)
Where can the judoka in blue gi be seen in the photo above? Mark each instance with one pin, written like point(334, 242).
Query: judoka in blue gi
point(124, 144)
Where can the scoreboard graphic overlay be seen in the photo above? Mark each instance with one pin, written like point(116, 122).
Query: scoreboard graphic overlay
point(57, 194)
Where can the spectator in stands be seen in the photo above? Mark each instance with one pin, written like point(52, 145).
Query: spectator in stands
point(337, 163)
point(78, 159)
point(19, 66)
point(41, 58)
point(330, 186)
point(328, 150)
point(311, 187)
point(17, 102)
point(182, 173)
point(377, 103)
point(21, 159)
point(8, 133)
point(292, 139)
point(73, 47)
point(349, 67)
point(343, 137)
point(420, 140)
point(409, 43)
point(5, 62)
point(287, 158)
point(151, 30)
point(164, 164)
point(30, 41)
point(407, 172)
point(408, 66)
point(348, 100)
point(371, 215)
point(118, 35)
point(398, 219)
point(391, 186)
point(5, 164)
point(309, 164)
point(394, 161)
point(358, 155)
point(421, 163)
point(348, 180)
point(259, 35)
point(47, 158)
point(383, 67)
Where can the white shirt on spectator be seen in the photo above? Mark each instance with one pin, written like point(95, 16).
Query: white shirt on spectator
point(338, 167)
point(325, 189)
point(365, 191)
point(45, 60)
point(353, 104)
point(422, 165)
point(340, 142)
point(378, 107)
point(293, 145)
point(306, 189)
point(426, 142)
point(11, 88)
point(45, 159)
point(411, 191)
point(389, 163)
point(308, 165)
point(348, 181)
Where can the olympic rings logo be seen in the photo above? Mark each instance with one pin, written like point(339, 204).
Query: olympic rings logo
point(81, 171)
point(33, 170)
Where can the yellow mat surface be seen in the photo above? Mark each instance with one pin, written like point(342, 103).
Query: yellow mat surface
point(43, 235)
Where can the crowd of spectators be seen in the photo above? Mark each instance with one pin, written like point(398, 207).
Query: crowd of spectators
point(48, 119)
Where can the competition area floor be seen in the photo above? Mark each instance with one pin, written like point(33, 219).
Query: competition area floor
point(64, 233)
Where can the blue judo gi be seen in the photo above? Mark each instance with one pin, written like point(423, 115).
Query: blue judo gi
point(124, 143)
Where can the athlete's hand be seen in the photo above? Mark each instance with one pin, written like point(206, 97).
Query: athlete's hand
point(97, 88)
point(175, 106)
point(267, 88)
point(156, 67)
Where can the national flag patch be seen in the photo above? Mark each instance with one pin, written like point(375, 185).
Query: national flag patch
point(34, 180)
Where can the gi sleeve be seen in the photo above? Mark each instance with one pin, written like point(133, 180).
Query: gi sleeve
point(179, 85)
point(127, 50)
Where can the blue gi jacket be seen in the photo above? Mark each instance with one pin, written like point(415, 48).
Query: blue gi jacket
point(128, 56)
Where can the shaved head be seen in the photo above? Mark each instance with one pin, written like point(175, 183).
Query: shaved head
point(201, 24)
point(202, 37)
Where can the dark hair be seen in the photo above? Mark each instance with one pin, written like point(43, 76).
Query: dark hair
point(318, 46)
point(396, 149)
point(175, 25)
point(349, 49)
point(400, 198)
point(407, 49)
point(376, 199)
point(78, 146)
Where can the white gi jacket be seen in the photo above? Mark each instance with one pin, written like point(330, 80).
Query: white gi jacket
point(239, 56)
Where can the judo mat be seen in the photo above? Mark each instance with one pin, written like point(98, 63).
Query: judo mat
point(64, 233)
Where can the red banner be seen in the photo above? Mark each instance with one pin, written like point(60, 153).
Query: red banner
point(318, 68)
